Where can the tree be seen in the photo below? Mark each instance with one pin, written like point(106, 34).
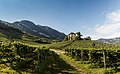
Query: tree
point(66, 38)
point(87, 38)
point(79, 35)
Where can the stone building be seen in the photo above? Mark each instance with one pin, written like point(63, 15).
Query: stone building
point(72, 36)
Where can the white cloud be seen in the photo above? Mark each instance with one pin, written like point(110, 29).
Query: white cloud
point(117, 34)
point(107, 28)
point(111, 27)
point(113, 16)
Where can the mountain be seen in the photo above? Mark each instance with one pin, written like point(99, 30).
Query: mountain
point(9, 32)
point(111, 40)
point(38, 30)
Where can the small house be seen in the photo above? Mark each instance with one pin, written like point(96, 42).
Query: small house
point(72, 36)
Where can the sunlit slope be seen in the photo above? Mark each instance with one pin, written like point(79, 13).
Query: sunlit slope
point(85, 44)
point(8, 33)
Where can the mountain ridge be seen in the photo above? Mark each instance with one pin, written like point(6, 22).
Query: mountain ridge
point(110, 40)
point(9, 32)
point(36, 30)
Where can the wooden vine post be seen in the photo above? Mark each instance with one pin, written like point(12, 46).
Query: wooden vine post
point(38, 55)
point(81, 55)
point(90, 58)
point(104, 59)
point(71, 52)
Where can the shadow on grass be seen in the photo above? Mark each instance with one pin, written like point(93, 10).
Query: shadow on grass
point(113, 71)
point(53, 64)
point(56, 65)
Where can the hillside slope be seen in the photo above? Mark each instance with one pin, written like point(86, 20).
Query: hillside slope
point(7, 32)
point(38, 30)
point(111, 40)
point(10, 32)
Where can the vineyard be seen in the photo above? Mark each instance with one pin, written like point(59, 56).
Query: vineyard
point(19, 58)
point(94, 54)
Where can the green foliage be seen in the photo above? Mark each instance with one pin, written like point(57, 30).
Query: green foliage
point(78, 35)
point(92, 52)
point(21, 57)
point(66, 38)
point(10, 32)
point(42, 40)
point(95, 58)
point(60, 45)
point(87, 38)
point(25, 58)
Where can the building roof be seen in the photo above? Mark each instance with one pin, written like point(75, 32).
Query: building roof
point(72, 33)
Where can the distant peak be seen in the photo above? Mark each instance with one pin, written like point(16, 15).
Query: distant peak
point(27, 22)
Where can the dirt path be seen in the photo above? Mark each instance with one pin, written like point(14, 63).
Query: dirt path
point(60, 52)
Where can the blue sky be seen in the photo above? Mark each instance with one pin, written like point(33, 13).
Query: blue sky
point(94, 18)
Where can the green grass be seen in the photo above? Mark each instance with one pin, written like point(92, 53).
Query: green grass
point(2, 37)
point(31, 43)
point(60, 45)
point(85, 44)
point(56, 65)
point(9, 70)
point(61, 64)
point(83, 67)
